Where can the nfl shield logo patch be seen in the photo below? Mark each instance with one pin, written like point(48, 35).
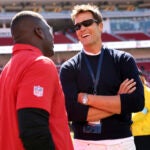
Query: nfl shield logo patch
point(38, 91)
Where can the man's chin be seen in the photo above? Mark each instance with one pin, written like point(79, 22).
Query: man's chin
point(52, 53)
point(49, 54)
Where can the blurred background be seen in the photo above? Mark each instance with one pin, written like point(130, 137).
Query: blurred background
point(126, 27)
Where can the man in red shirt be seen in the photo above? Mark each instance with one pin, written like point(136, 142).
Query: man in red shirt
point(32, 106)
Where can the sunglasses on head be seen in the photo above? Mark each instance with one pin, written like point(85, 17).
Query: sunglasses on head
point(85, 23)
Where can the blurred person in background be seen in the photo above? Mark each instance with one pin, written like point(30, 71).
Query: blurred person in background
point(91, 80)
point(141, 120)
point(32, 105)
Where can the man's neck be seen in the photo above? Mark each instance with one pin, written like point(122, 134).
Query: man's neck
point(92, 50)
point(90, 53)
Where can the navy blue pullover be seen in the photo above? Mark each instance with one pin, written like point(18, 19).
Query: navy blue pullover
point(116, 67)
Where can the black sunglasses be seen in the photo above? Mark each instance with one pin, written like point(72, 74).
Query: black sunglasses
point(85, 23)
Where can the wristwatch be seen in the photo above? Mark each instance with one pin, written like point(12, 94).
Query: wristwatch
point(85, 99)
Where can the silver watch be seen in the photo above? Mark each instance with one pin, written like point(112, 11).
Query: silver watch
point(85, 99)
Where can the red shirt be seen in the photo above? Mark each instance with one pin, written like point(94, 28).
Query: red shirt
point(30, 80)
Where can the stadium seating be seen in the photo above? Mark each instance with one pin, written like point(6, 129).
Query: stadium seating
point(144, 65)
point(6, 41)
point(107, 37)
point(134, 36)
point(60, 38)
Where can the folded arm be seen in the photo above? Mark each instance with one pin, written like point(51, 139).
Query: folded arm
point(109, 104)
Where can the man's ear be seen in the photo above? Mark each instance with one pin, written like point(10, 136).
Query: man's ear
point(101, 26)
point(39, 32)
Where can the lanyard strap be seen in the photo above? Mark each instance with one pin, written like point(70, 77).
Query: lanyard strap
point(95, 80)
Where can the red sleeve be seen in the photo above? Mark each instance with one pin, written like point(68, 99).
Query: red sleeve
point(37, 87)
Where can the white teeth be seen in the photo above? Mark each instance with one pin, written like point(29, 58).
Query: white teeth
point(85, 35)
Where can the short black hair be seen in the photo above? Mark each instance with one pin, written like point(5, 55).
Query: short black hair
point(21, 16)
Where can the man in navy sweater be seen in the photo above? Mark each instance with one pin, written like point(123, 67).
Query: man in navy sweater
point(100, 115)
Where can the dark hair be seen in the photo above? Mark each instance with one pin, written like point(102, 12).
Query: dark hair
point(21, 16)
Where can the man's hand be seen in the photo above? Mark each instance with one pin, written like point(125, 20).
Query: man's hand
point(127, 86)
point(80, 97)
